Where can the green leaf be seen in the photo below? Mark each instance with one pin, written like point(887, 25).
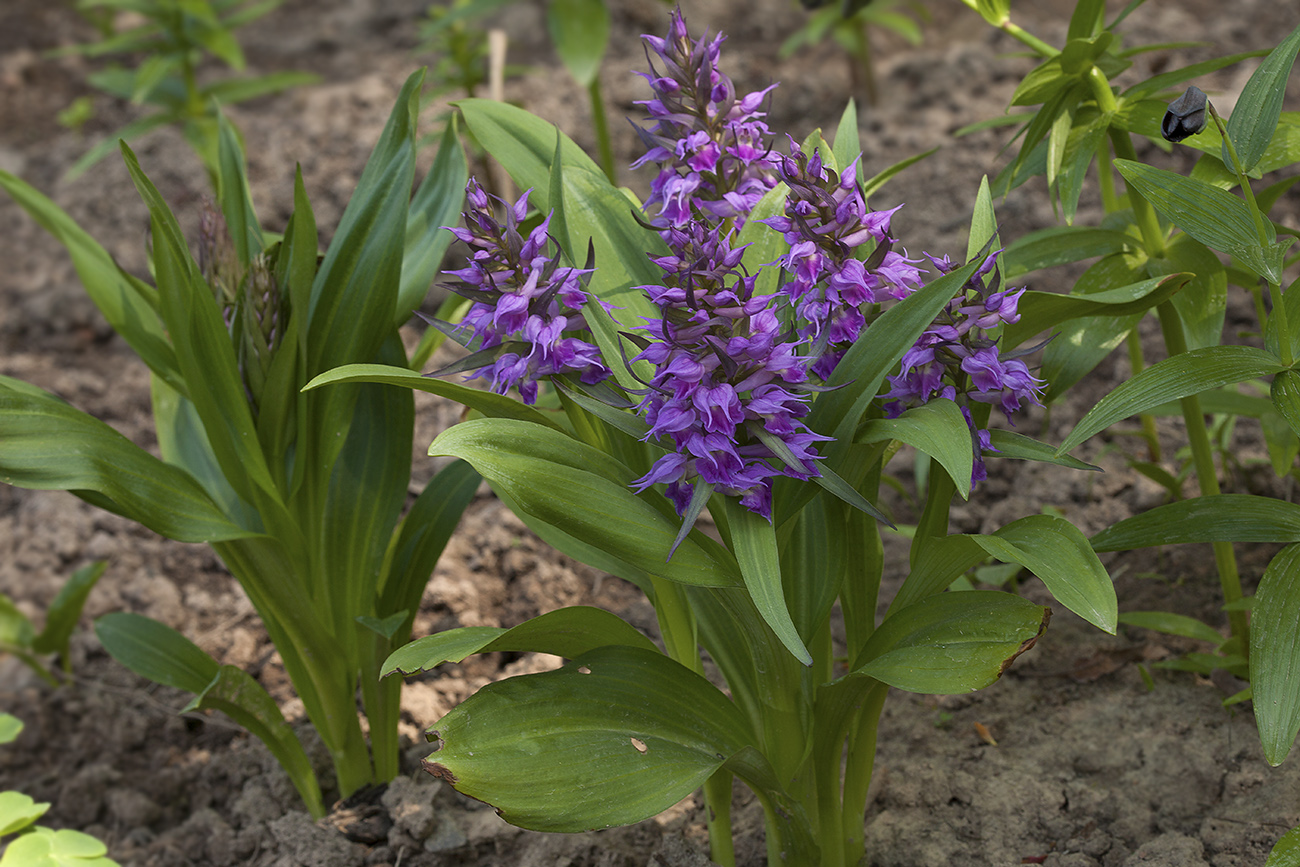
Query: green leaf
point(127, 303)
point(1275, 654)
point(848, 145)
point(1172, 624)
point(156, 652)
point(65, 611)
point(1217, 518)
point(995, 12)
point(486, 402)
point(1042, 311)
point(951, 643)
point(109, 145)
point(1174, 378)
point(1212, 216)
point(17, 811)
point(880, 178)
point(580, 31)
point(1087, 19)
point(232, 190)
point(584, 493)
point(1254, 118)
point(47, 445)
point(10, 727)
point(938, 429)
point(1054, 550)
point(1060, 245)
point(616, 736)
point(567, 632)
point(983, 222)
point(1042, 83)
point(1166, 80)
point(232, 91)
point(437, 203)
point(1286, 851)
point(1202, 302)
point(1009, 444)
point(1285, 393)
point(753, 540)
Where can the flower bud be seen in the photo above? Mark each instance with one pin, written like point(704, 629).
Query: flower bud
point(1186, 115)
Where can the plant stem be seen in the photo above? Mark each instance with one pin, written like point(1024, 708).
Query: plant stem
point(601, 124)
point(717, 807)
point(857, 776)
point(1203, 461)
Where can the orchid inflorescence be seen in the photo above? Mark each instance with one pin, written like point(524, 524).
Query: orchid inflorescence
point(734, 370)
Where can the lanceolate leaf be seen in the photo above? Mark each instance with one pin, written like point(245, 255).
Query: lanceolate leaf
point(1009, 444)
point(1177, 377)
point(617, 735)
point(1285, 393)
point(584, 493)
point(236, 201)
point(951, 643)
point(939, 430)
point(753, 539)
point(1054, 550)
point(47, 445)
point(1286, 852)
point(65, 611)
point(1254, 118)
point(580, 31)
point(1275, 654)
point(1218, 518)
point(437, 203)
point(1062, 244)
point(568, 632)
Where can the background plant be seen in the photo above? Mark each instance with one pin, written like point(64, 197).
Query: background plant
point(172, 38)
point(303, 496)
point(849, 25)
point(19, 637)
point(625, 730)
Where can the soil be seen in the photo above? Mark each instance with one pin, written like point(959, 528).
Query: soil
point(1093, 764)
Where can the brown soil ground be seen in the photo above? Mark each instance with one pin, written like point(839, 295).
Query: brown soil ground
point(1091, 767)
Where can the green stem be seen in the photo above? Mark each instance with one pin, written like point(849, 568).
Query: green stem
point(1153, 237)
point(934, 518)
point(1136, 364)
point(857, 776)
point(1039, 46)
point(1203, 462)
point(717, 806)
point(1106, 179)
point(601, 124)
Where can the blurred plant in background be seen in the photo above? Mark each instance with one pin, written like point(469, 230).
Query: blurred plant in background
point(849, 24)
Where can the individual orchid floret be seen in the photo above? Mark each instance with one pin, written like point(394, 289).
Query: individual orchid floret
point(711, 146)
point(825, 222)
point(956, 359)
point(727, 382)
point(526, 319)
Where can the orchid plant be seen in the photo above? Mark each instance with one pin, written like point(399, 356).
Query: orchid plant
point(303, 496)
point(753, 347)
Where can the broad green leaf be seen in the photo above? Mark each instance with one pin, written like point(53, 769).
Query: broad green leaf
point(753, 541)
point(1172, 624)
point(437, 203)
point(1202, 302)
point(1078, 347)
point(938, 429)
point(951, 643)
point(1217, 518)
point(355, 293)
point(1059, 245)
point(938, 563)
point(1254, 118)
point(1054, 550)
point(47, 445)
point(1286, 851)
point(1285, 394)
point(580, 31)
point(64, 612)
point(584, 493)
point(232, 190)
point(615, 736)
point(127, 303)
point(567, 632)
point(156, 652)
point(1174, 378)
point(489, 404)
point(814, 552)
point(1042, 83)
point(17, 811)
point(1212, 216)
point(1087, 19)
point(983, 222)
point(1275, 654)
point(762, 243)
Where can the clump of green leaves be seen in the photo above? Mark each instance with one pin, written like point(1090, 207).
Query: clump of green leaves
point(19, 637)
point(849, 25)
point(167, 42)
point(302, 495)
point(36, 845)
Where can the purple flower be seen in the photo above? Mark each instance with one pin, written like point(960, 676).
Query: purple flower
point(725, 372)
point(711, 146)
point(527, 309)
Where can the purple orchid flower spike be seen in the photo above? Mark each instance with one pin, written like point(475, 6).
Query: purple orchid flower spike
point(526, 322)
